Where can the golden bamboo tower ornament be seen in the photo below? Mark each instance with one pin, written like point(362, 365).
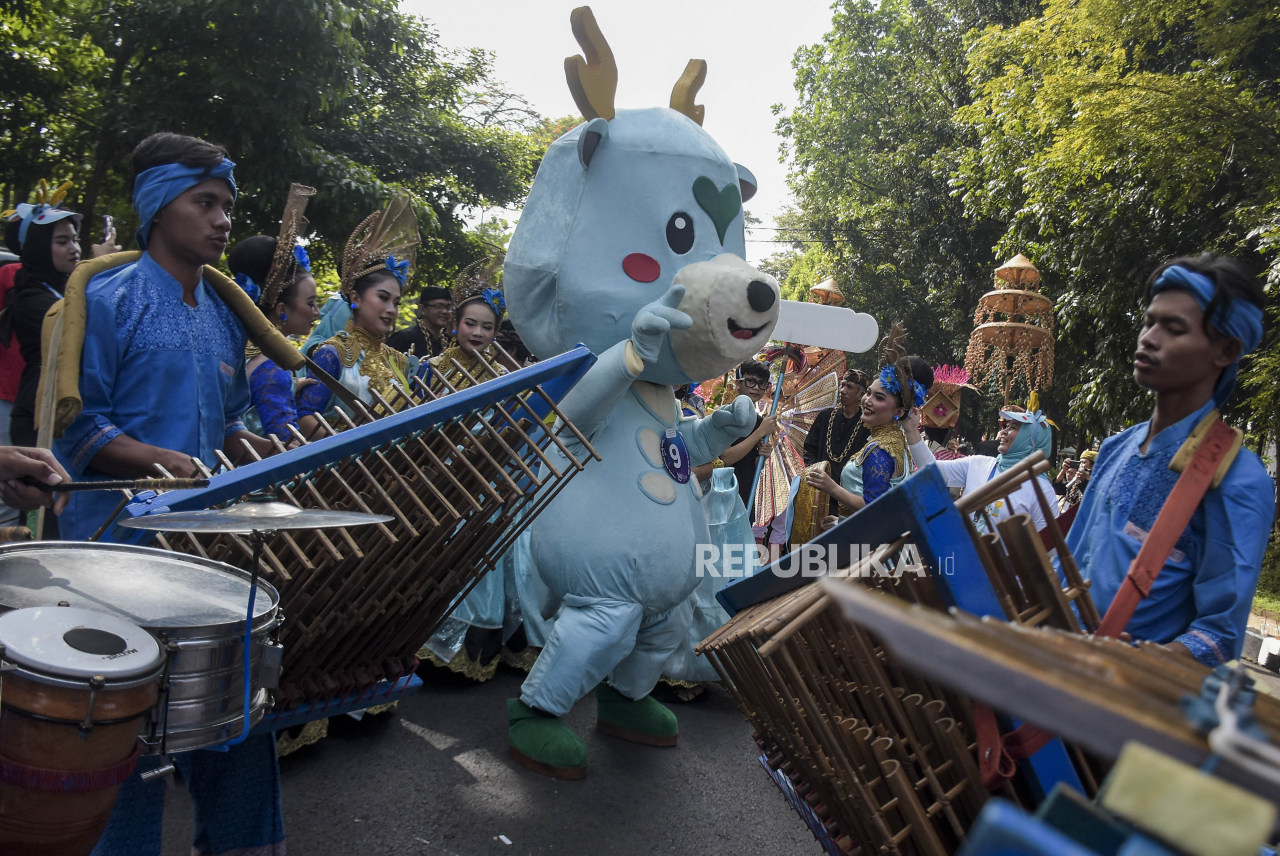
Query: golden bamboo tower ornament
point(1013, 335)
point(827, 293)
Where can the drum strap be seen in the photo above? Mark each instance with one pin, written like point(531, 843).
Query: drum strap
point(68, 781)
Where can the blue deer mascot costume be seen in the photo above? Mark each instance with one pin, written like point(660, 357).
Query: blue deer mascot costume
point(631, 243)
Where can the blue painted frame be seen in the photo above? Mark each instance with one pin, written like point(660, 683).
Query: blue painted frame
point(556, 376)
point(923, 506)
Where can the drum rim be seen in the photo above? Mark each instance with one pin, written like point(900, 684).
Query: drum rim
point(263, 622)
point(152, 675)
point(54, 623)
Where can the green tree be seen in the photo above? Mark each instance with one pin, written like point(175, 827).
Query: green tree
point(356, 99)
point(873, 143)
point(1116, 134)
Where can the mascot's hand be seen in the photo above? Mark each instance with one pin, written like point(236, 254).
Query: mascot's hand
point(655, 321)
point(739, 417)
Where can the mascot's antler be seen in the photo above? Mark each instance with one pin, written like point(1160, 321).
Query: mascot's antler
point(686, 88)
point(594, 80)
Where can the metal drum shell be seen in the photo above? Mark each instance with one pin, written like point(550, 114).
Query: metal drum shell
point(205, 677)
point(47, 823)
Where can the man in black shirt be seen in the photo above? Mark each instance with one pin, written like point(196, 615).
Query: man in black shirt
point(430, 331)
point(753, 382)
point(837, 433)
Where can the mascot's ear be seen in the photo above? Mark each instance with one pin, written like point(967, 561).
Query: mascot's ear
point(746, 182)
point(596, 132)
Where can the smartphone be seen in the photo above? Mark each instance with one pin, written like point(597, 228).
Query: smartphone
point(108, 223)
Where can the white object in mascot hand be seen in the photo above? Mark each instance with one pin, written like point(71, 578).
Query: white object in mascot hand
point(821, 326)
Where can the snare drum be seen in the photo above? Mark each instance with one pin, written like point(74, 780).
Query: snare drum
point(194, 607)
point(76, 687)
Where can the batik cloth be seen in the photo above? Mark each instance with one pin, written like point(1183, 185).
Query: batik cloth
point(880, 465)
point(154, 369)
point(1203, 594)
point(271, 389)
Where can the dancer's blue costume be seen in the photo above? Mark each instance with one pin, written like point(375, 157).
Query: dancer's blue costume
point(632, 243)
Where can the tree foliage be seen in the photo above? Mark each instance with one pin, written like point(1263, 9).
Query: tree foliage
point(935, 138)
point(874, 143)
point(354, 98)
point(1114, 135)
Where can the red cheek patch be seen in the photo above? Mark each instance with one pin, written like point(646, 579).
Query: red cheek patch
point(641, 268)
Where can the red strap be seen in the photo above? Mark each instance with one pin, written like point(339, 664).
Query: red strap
point(67, 781)
point(994, 763)
point(1065, 519)
point(998, 755)
point(1172, 521)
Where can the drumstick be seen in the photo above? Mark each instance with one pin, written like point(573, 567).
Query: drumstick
point(120, 484)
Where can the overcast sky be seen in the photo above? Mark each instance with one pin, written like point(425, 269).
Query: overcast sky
point(748, 46)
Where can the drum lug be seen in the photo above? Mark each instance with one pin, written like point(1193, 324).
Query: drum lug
point(5, 665)
point(269, 666)
point(164, 771)
point(96, 683)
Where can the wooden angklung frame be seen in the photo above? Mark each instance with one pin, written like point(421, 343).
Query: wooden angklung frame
point(461, 474)
point(879, 758)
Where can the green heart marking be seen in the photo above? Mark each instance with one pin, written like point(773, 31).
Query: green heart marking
point(721, 205)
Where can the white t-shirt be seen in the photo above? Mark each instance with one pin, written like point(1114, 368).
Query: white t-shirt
point(975, 471)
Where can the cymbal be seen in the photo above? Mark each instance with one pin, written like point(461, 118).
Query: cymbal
point(246, 517)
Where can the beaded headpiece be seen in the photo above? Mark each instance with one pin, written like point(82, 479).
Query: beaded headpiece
point(478, 281)
point(386, 240)
point(289, 255)
point(42, 209)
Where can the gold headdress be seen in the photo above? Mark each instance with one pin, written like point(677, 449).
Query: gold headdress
point(479, 281)
point(386, 240)
point(288, 255)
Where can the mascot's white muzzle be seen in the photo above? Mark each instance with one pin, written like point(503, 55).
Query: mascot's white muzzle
point(734, 308)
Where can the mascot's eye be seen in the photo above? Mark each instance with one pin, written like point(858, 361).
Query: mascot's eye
point(680, 233)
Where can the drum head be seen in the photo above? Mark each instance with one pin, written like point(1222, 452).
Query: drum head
point(76, 643)
point(148, 587)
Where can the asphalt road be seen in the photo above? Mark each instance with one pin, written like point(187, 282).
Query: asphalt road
point(434, 777)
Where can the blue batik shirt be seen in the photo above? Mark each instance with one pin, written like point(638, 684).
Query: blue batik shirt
point(1203, 594)
point(155, 369)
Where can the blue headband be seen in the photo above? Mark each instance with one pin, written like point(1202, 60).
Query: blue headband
point(155, 188)
point(1238, 319)
point(40, 214)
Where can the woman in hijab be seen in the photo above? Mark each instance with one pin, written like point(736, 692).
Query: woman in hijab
point(1021, 434)
point(44, 236)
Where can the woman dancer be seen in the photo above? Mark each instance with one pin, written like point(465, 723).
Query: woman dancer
point(277, 274)
point(888, 405)
point(375, 266)
point(471, 639)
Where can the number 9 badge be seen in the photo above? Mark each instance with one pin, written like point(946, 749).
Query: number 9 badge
point(675, 455)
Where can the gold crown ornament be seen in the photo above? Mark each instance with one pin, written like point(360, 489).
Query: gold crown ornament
point(289, 256)
point(386, 240)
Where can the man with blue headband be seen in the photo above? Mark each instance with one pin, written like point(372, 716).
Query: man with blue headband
point(162, 372)
point(1202, 315)
point(162, 381)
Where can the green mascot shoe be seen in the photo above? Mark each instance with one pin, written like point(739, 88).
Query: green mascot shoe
point(645, 721)
point(544, 743)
